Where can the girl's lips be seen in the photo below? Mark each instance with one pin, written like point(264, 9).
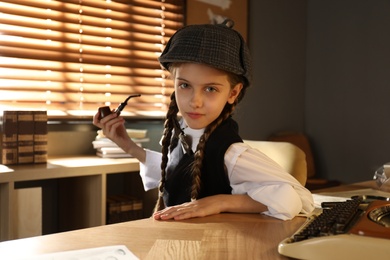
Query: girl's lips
point(194, 115)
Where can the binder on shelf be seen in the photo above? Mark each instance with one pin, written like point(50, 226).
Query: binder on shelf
point(25, 137)
point(40, 137)
point(9, 138)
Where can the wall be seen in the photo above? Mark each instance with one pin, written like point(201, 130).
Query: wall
point(323, 67)
point(347, 88)
point(277, 40)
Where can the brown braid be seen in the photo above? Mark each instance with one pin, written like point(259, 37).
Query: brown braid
point(169, 125)
point(199, 155)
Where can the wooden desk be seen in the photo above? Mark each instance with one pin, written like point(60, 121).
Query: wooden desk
point(84, 179)
point(350, 187)
point(223, 236)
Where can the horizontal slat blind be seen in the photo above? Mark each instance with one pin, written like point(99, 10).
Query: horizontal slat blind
point(71, 56)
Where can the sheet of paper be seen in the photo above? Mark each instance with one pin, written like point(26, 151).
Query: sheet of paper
point(344, 195)
point(118, 252)
point(318, 199)
point(360, 192)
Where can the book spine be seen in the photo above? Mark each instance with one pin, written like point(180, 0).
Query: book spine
point(40, 137)
point(138, 208)
point(123, 207)
point(9, 138)
point(126, 209)
point(25, 137)
point(113, 210)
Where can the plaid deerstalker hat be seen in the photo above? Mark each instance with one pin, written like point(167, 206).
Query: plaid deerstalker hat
point(219, 46)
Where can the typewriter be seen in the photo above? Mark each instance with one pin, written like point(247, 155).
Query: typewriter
point(353, 229)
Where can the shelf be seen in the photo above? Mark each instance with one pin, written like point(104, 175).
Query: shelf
point(82, 189)
point(64, 167)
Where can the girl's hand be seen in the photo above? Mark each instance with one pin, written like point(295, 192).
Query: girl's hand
point(113, 127)
point(211, 205)
point(198, 208)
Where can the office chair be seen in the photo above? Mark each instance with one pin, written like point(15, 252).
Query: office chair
point(287, 155)
point(302, 141)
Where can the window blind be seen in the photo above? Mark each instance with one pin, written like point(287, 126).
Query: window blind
point(70, 57)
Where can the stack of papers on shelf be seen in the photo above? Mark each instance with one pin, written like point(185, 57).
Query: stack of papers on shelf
point(111, 152)
point(108, 149)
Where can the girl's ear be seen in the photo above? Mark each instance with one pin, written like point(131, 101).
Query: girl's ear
point(234, 93)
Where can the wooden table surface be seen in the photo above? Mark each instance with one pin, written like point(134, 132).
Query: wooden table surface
point(222, 236)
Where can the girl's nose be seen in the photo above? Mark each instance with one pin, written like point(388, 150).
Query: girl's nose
point(196, 100)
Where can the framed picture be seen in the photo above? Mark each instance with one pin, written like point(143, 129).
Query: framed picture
point(216, 11)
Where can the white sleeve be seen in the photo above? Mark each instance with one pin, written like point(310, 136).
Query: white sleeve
point(252, 172)
point(150, 171)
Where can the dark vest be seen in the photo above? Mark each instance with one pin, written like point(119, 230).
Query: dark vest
point(214, 179)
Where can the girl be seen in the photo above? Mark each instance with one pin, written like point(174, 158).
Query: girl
point(204, 167)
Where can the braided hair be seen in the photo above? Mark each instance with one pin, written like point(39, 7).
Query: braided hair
point(169, 143)
point(170, 124)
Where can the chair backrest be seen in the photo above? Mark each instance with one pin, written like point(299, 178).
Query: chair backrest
point(302, 141)
point(287, 155)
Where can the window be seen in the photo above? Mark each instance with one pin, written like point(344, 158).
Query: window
point(70, 57)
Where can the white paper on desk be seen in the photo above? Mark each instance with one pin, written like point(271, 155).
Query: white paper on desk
point(340, 196)
point(118, 252)
point(319, 198)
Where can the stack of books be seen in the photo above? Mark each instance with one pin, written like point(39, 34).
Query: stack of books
point(23, 137)
point(122, 208)
point(106, 148)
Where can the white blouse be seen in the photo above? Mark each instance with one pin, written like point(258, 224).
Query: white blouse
point(250, 172)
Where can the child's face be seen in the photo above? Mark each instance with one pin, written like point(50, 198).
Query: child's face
point(201, 93)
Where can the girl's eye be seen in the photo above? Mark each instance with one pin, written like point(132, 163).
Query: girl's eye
point(210, 89)
point(183, 85)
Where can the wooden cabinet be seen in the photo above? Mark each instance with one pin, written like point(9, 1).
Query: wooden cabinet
point(81, 189)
